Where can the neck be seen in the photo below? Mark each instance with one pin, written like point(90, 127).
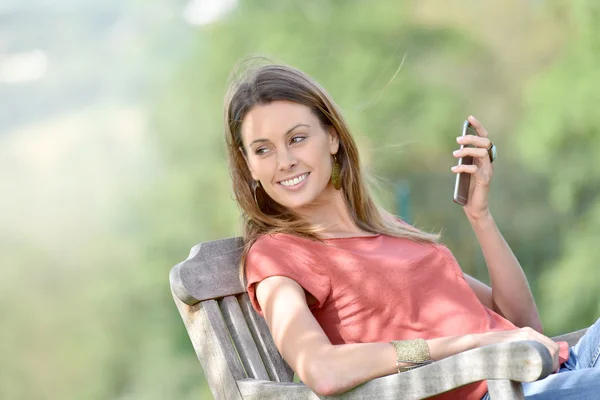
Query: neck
point(331, 213)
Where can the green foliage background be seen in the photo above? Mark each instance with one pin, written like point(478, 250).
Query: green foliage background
point(113, 165)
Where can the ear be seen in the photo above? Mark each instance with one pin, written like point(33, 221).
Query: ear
point(334, 140)
point(248, 164)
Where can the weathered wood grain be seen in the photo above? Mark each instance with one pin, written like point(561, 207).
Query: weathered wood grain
point(207, 342)
point(211, 271)
point(217, 323)
point(242, 338)
point(276, 366)
point(267, 390)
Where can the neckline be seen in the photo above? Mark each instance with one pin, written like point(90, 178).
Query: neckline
point(354, 237)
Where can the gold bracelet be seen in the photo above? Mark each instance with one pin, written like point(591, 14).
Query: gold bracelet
point(414, 351)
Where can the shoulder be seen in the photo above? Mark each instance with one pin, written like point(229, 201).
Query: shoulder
point(288, 256)
point(277, 243)
point(452, 262)
point(273, 239)
point(446, 251)
point(285, 249)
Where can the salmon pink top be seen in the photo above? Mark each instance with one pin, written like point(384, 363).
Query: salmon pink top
point(377, 289)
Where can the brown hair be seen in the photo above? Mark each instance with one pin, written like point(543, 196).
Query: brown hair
point(272, 82)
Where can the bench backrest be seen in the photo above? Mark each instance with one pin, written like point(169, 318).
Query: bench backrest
point(231, 340)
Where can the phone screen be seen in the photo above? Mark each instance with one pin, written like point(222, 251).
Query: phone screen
point(463, 180)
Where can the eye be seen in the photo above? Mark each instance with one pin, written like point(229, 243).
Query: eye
point(261, 150)
point(297, 139)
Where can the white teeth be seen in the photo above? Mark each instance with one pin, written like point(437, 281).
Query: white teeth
point(294, 181)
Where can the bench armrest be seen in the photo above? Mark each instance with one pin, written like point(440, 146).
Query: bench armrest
point(523, 361)
point(572, 337)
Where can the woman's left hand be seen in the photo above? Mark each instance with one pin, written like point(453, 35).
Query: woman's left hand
point(481, 170)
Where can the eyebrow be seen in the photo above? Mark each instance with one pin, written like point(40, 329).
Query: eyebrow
point(288, 131)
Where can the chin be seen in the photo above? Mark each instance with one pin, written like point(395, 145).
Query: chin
point(298, 203)
point(295, 205)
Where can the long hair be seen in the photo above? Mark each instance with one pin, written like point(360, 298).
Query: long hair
point(273, 82)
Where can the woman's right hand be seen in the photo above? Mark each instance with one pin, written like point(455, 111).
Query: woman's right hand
point(515, 335)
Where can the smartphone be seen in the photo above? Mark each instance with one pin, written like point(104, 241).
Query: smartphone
point(463, 179)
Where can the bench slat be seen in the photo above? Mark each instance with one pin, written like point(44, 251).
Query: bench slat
point(238, 328)
point(278, 369)
point(207, 344)
point(218, 324)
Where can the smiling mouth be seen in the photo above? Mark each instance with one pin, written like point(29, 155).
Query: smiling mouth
point(294, 181)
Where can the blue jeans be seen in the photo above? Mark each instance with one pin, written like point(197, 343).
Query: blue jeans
point(577, 379)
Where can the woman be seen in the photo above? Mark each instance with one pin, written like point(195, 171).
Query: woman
point(338, 279)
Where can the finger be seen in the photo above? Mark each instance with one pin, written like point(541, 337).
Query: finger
point(532, 334)
point(550, 344)
point(478, 127)
point(473, 140)
point(471, 151)
point(548, 341)
point(469, 169)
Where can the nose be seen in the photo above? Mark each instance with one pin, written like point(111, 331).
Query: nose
point(285, 160)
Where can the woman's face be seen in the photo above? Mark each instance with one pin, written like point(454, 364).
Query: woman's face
point(289, 152)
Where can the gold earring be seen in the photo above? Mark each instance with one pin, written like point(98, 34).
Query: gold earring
point(259, 195)
point(336, 176)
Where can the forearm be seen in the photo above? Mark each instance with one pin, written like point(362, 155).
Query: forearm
point(511, 294)
point(342, 367)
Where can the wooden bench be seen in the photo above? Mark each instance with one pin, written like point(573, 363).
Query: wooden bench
point(240, 360)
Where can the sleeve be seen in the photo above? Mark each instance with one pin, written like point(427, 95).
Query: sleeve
point(563, 352)
point(294, 258)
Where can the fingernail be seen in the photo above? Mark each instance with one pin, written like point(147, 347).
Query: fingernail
point(455, 152)
point(459, 139)
point(453, 168)
point(472, 118)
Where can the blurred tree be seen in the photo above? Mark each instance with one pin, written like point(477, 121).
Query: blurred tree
point(559, 138)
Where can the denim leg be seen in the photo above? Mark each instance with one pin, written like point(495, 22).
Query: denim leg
point(586, 352)
point(576, 379)
point(581, 384)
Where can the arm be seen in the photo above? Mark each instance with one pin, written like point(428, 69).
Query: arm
point(330, 369)
point(511, 295)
